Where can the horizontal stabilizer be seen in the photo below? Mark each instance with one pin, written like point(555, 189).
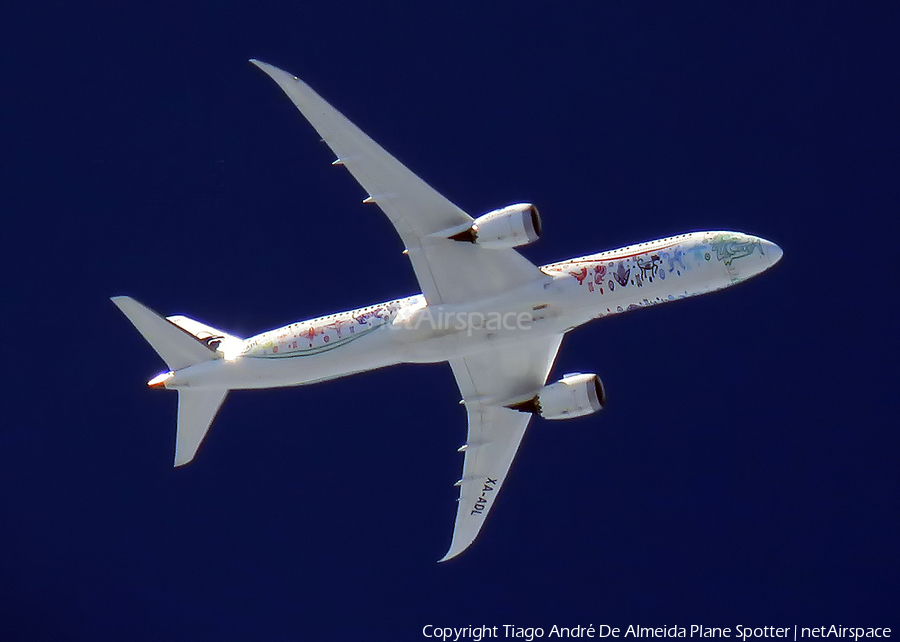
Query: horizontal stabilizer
point(196, 410)
point(178, 348)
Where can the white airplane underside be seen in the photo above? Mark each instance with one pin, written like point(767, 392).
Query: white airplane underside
point(495, 317)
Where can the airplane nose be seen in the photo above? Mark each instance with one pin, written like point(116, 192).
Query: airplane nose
point(772, 252)
point(748, 255)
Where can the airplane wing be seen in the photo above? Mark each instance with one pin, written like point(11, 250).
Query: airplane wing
point(487, 379)
point(448, 271)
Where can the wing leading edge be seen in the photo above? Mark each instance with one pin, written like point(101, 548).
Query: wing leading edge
point(486, 380)
point(448, 271)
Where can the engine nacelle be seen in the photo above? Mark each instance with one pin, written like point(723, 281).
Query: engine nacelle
point(575, 395)
point(511, 226)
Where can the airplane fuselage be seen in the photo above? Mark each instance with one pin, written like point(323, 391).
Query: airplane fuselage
point(409, 330)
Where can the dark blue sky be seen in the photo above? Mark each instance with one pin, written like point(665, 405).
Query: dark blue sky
point(745, 471)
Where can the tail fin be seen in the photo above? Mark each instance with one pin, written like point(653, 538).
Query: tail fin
point(179, 349)
point(230, 346)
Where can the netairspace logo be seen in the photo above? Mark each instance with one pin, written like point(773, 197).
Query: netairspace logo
point(740, 632)
point(471, 321)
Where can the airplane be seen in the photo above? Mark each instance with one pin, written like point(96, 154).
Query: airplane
point(494, 316)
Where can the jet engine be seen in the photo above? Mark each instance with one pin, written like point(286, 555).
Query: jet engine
point(575, 395)
point(511, 226)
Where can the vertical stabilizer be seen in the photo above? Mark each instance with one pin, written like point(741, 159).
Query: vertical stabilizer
point(196, 410)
